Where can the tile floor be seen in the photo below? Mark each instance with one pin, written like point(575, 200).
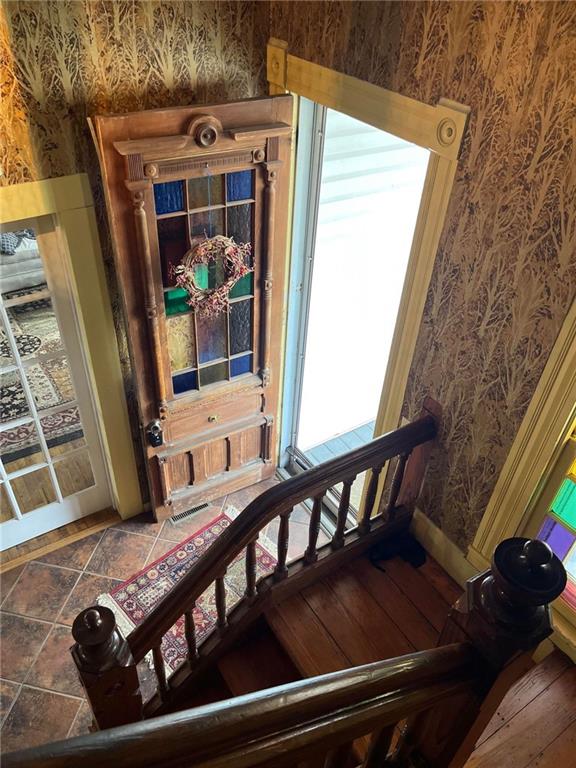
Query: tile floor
point(40, 697)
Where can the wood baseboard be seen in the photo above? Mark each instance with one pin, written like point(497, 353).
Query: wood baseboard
point(60, 537)
point(442, 549)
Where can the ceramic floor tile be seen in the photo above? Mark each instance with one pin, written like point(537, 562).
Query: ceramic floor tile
point(84, 595)
point(8, 692)
point(41, 591)
point(144, 524)
point(54, 668)
point(159, 549)
point(37, 717)
point(20, 640)
point(184, 529)
point(8, 579)
point(240, 499)
point(82, 723)
point(119, 555)
point(74, 555)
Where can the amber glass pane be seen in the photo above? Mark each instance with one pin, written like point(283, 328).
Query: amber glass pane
point(213, 373)
point(205, 191)
point(240, 326)
point(74, 473)
point(20, 447)
point(181, 341)
point(33, 490)
point(173, 244)
point(12, 397)
point(211, 338)
point(240, 223)
point(207, 223)
point(239, 186)
point(169, 197)
point(63, 430)
point(50, 383)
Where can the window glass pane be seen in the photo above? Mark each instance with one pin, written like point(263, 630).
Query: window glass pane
point(35, 328)
point(184, 382)
point(240, 365)
point(12, 398)
point(173, 244)
point(208, 190)
point(63, 430)
point(570, 563)
point(181, 341)
point(558, 538)
point(20, 447)
point(22, 269)
point(207, 223)
point(564, 504)
point(5, 506)
point(6, 357)
point(211, 338)
point(240, 326)
point(74, 473)
point(169, 197)
point(239, 186)
point(240, 223)
point(51, 383)
point(213, 373)
point(175, 301)
point(33, 490)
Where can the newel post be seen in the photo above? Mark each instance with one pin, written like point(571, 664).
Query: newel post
point(505, 614)
point(106, 668)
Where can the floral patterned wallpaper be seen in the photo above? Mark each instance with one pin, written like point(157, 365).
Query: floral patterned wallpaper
point(505, 272)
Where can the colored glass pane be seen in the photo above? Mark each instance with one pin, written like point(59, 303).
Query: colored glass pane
point(175, 301)
point(169, 197)
point(570, 563)
point(243, 287)
point(211, 338)
point(184, 382)
point(240, 223)
point(239, 186)
point(213, 373)
point(207, 223)
point(240, 365)
point(240, 326)
point(564, 504)
point(173, 244)
point(181, 341)
point(558, 538)
point(205, 191)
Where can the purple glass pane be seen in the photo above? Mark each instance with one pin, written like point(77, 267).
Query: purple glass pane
point(556, 536)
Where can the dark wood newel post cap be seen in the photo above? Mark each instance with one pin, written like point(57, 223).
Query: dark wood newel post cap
point(99, 643)
point(527, 572)
point(93, 626)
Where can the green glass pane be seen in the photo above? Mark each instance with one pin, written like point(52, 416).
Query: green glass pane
point(175, 301)
point(243, 287)
point(205, 191)
point(201, 275)
point(564, 504)
point(213, 373)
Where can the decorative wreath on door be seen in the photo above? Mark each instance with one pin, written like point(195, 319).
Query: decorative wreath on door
point(209, 302)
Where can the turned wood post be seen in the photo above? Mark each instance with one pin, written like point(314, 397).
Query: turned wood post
point(505, 614)
point(106, 668)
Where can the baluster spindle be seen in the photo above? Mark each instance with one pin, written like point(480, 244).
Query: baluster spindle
point(160, 671)
point(310, 556)
point(379, 747)
point(340, 757)
point(365, 523)
point(390, 510)
point(281, 571)
point(251, 570)
point(190, 633)
point(338, 539)
point(221, 602)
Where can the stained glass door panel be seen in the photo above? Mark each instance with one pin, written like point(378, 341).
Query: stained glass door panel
point(204, 351)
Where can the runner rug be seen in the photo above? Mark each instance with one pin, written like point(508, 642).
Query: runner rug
point(133, 600)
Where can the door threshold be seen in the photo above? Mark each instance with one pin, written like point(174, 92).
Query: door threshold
point(59, 537)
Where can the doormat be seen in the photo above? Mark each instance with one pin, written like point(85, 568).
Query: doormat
point(133, 600)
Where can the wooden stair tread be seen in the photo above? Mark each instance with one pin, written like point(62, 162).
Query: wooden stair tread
point(258, 662)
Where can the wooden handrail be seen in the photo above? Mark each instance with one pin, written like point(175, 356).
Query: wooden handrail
point(273, 502)
point(275, 724)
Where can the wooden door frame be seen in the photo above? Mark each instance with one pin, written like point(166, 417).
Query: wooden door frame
point(438, 128)
point(67, 200)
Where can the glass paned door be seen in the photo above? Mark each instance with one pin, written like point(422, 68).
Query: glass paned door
point(52, 469)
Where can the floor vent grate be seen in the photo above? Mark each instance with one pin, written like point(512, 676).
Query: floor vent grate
point(184, 515)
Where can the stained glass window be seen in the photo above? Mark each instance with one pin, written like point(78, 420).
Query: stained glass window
point(206, 351)
point(559, 530)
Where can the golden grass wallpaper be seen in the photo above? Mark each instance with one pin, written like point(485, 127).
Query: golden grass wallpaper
point(505, 272)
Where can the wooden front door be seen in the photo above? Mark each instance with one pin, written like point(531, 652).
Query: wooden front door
point(207, 387)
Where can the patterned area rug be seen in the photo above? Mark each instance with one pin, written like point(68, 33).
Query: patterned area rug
point(133, 600)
